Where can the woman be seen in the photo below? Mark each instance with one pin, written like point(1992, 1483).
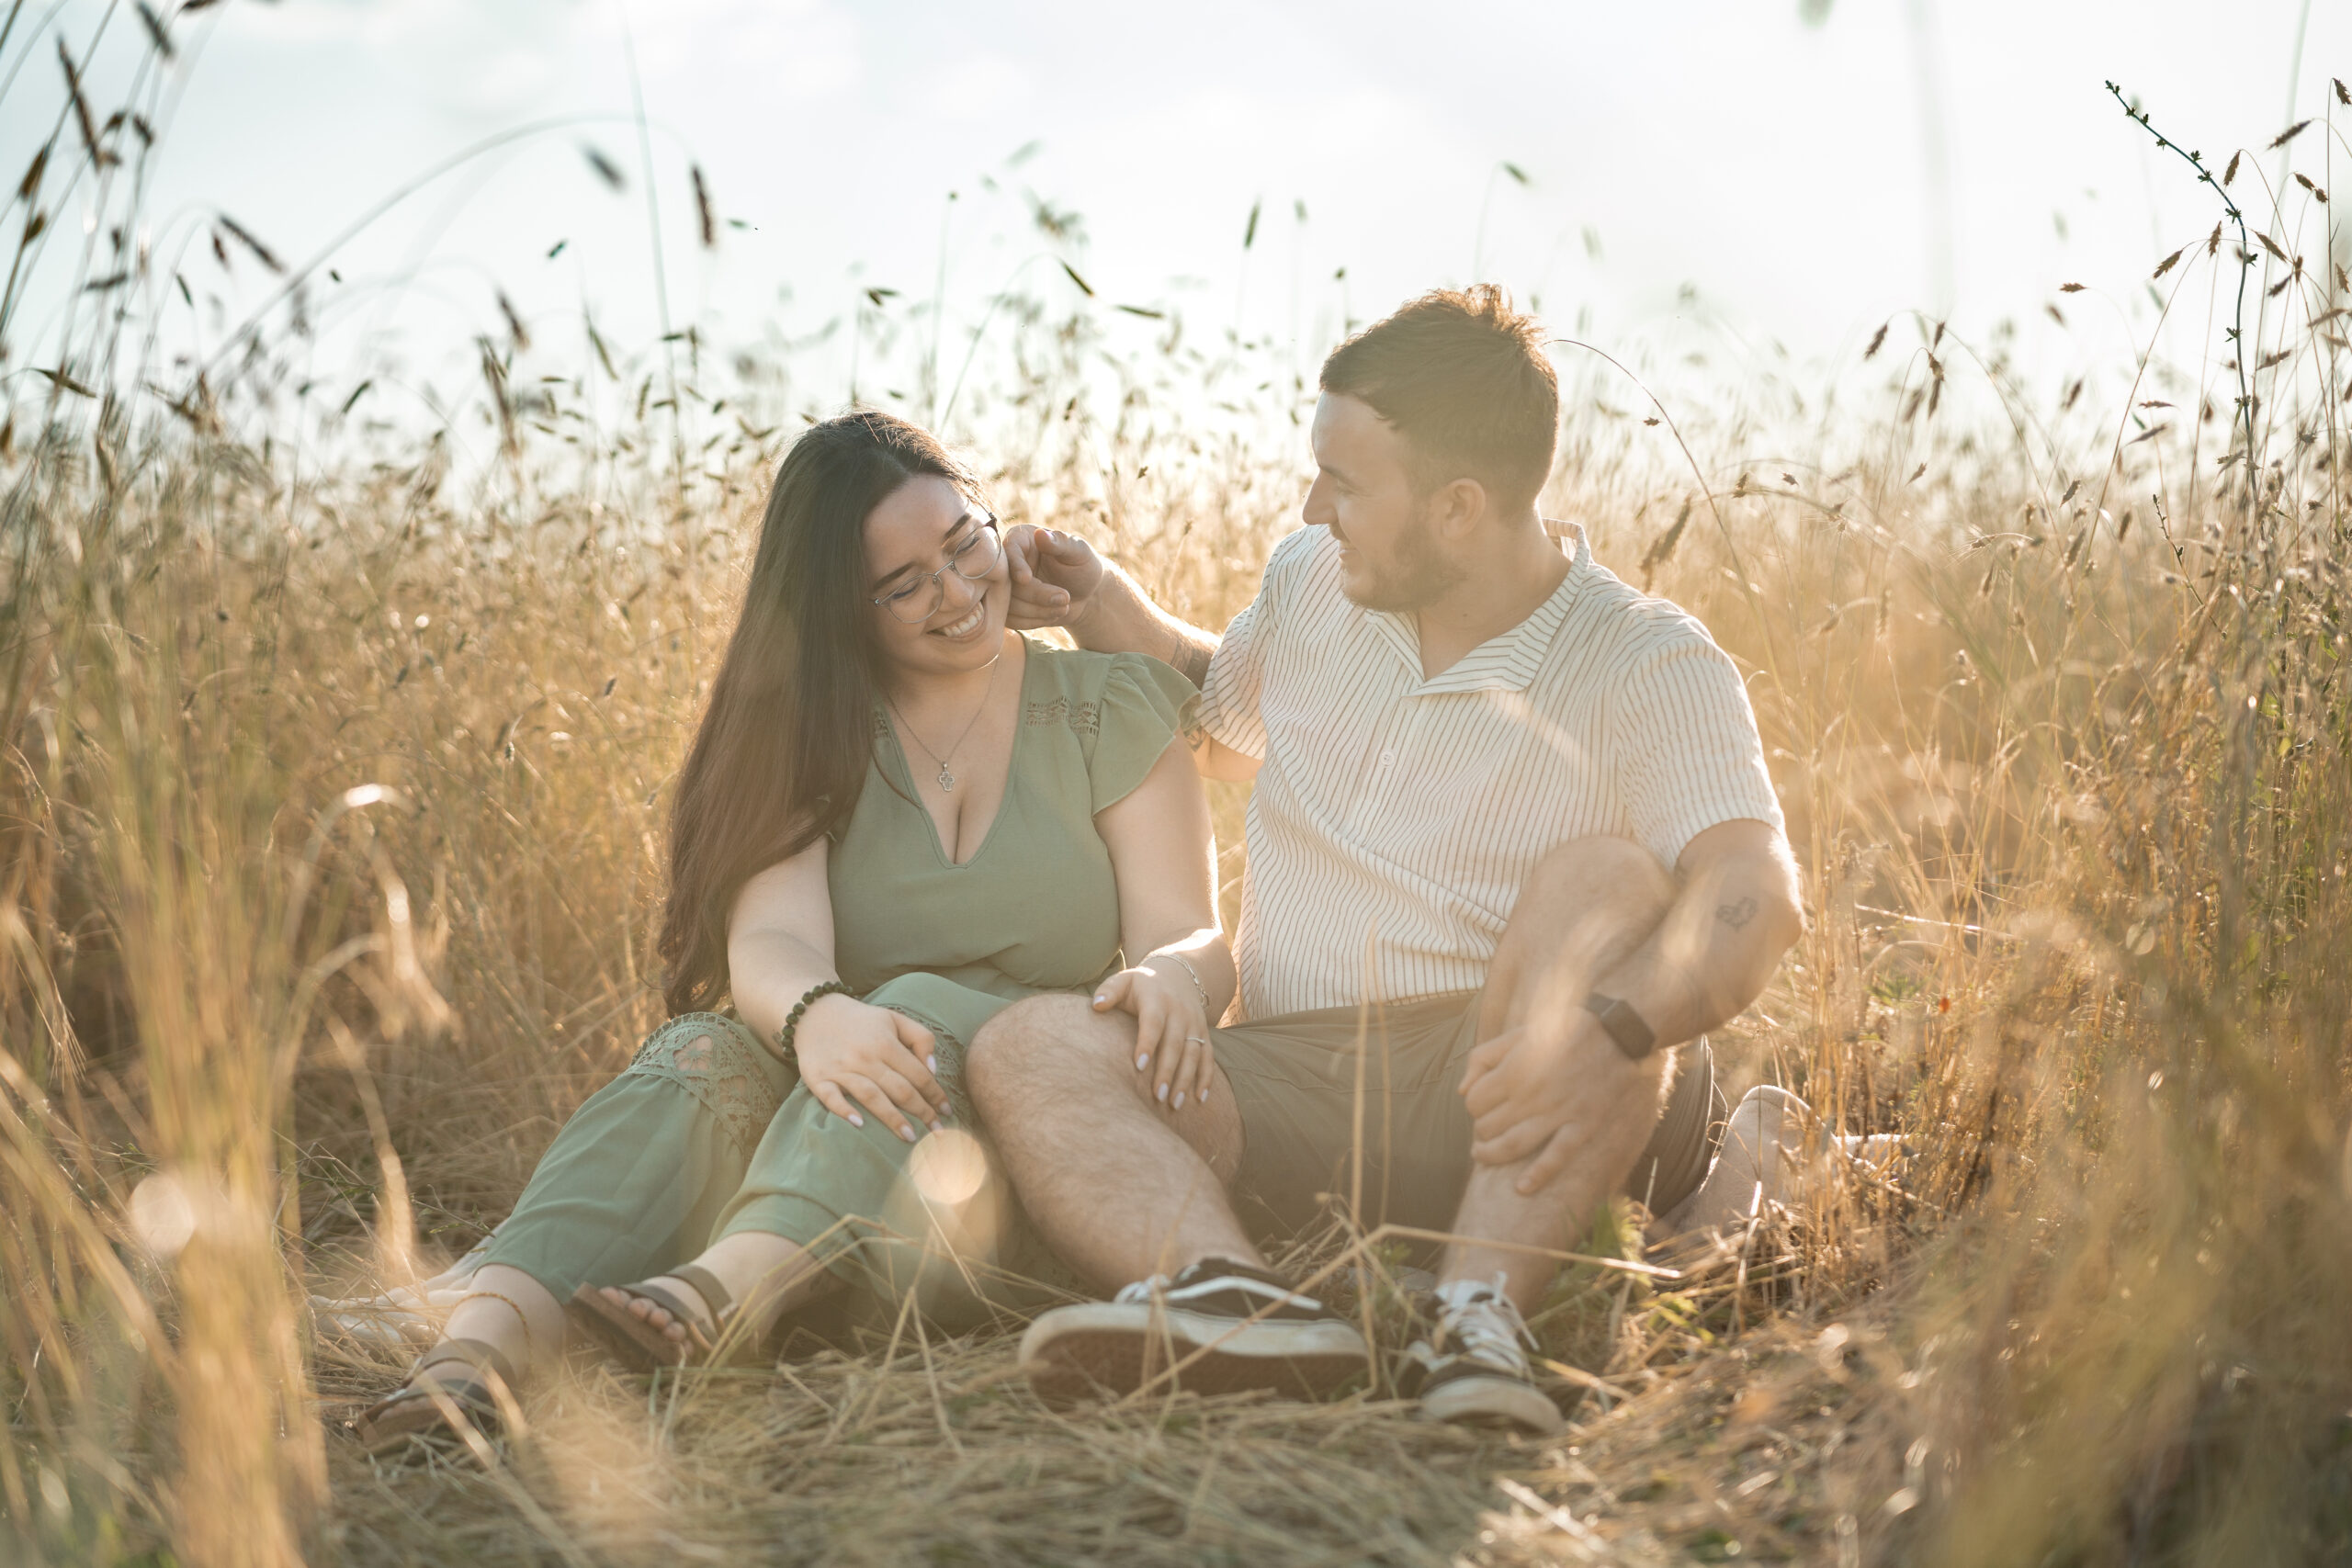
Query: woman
point(896, 816)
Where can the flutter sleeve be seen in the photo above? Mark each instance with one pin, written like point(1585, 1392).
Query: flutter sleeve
point(1136, 717)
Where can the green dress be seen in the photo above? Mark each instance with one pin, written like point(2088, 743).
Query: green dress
point(707, 1134)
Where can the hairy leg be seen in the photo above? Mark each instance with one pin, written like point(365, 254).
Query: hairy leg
point(1119, 1186)
point(1587, 906)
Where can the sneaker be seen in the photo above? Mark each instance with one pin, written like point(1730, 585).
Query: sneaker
point(1472, 1369)
point(1233, 1327)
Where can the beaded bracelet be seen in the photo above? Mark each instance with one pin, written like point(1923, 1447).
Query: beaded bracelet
point(784, 1048)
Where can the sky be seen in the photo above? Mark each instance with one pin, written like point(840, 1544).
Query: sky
point(1777, 171)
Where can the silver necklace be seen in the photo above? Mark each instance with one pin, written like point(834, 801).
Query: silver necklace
point(946, 778)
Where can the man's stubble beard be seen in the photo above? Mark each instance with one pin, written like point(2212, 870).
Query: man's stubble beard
point(1420, 575)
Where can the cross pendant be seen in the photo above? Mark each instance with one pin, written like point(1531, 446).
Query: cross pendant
point(946, 779)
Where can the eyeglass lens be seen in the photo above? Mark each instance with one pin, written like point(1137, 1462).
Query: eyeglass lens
point(973, 559)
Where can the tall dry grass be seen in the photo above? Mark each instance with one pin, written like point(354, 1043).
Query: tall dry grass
point(334, 805)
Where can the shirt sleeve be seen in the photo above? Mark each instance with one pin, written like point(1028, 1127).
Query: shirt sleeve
point(1689, 756)
point(1229, 697)
point(1136, 717)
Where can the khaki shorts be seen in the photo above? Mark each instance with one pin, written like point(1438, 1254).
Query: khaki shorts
point(1295, 1079)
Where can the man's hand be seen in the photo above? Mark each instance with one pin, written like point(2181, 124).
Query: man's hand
point(1059, 580)
point(1545, 1093)
point(1054, 576)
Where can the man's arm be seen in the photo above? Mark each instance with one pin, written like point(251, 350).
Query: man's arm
point(1714, 953)
point(1059, 580)
point(1119, 618)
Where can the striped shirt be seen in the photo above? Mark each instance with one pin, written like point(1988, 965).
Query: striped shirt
point(1394, 817)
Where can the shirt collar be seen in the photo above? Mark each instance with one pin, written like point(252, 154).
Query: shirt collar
point(1507, 662)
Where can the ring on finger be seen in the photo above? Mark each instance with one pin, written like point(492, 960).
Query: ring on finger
point(1196, 1039)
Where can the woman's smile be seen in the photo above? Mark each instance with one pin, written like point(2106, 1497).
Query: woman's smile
point(966, 626)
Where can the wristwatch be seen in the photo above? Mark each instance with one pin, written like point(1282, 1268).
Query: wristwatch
point(1632, 1032)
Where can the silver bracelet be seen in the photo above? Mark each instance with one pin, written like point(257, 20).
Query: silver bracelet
point(1195, 976)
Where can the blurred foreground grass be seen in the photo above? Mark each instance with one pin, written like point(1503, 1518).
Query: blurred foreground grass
point(333, 807)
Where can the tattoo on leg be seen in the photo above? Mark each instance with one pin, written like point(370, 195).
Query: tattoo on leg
point(1736, 915)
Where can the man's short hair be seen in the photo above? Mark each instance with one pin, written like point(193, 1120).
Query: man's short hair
point(1463, 377)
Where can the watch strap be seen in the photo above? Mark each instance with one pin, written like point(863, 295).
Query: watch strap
point(1629, 1029)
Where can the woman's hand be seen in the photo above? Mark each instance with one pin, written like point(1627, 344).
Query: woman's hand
point(882, 1059)
point(1171, 1027)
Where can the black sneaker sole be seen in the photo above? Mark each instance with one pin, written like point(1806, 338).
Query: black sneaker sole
point(1105, 1350)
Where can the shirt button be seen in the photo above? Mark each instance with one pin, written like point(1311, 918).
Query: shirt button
point(1386, 758)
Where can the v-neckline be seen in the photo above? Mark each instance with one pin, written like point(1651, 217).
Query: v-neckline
point(1012, 768)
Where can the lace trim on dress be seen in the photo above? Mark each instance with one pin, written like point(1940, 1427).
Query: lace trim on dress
point(1086, 718)
point(711, 1057)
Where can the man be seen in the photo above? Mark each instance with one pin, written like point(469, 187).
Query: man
point(1465, 965)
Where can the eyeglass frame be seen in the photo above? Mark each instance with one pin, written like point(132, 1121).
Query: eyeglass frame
point(937, 579)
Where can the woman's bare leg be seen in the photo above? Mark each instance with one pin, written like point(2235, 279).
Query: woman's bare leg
point(512, 1313)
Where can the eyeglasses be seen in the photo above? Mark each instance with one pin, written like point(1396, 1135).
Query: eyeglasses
point(973, 559)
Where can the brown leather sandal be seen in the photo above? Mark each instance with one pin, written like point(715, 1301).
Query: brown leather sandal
point(637, 1344)
point(419, 1414)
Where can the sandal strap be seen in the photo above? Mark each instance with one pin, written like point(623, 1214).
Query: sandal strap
point(671, 1302)
point(476, 1398)
point(478, 1354)
point(715, 1296)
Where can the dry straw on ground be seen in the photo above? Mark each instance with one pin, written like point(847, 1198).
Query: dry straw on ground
point(333, 807)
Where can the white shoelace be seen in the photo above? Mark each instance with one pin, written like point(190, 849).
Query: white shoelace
point(1478, 1322)
point(1160, 1286)
point(1141, 1290)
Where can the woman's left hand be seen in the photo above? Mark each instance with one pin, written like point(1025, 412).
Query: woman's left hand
point(1171, 1029)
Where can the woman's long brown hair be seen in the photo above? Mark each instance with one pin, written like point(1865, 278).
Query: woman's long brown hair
point(783, 749)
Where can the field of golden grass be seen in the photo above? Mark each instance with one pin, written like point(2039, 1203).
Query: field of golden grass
point(334, 800)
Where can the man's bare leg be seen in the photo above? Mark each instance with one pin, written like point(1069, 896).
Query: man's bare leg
point(1118, 1185)
point(1586, 907)
point(1125, 1192)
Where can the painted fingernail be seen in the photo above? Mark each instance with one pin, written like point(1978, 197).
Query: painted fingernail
point(908, 1134)
point(937, 1125)
point(1164, 1091)
point(1179, 1099)
point(932, 1063)
point(855, 1120)
point(1143, 1061)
